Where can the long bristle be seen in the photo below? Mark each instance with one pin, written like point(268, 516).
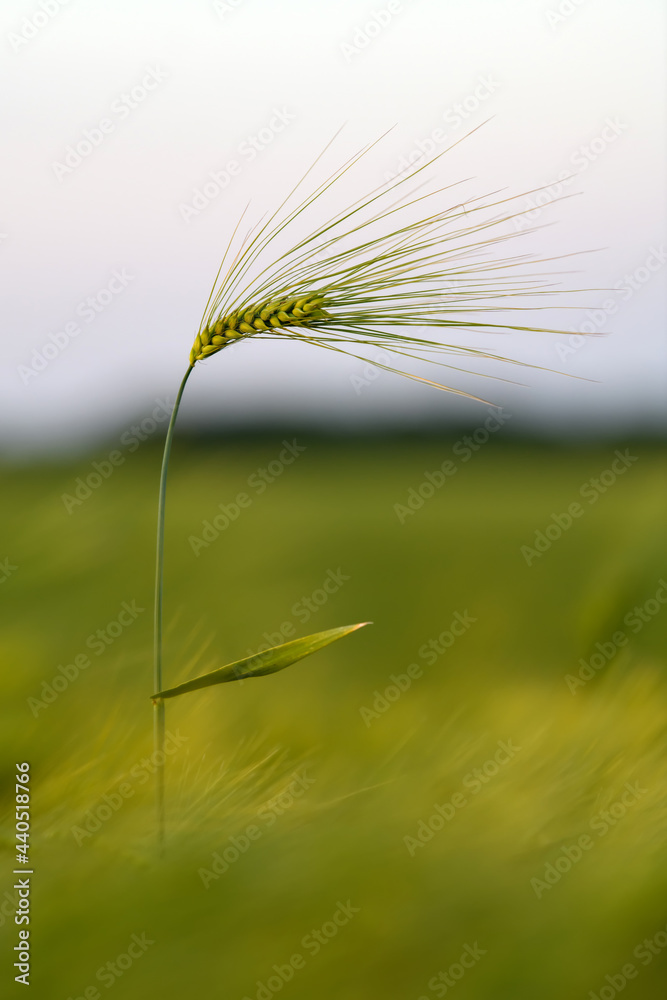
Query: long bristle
point(375, 271)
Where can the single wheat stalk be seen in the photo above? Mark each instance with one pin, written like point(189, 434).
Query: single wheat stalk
point(395, 260)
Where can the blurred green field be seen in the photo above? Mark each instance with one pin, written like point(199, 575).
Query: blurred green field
point(320, 796)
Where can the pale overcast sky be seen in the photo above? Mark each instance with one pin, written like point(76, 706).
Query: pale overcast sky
point(158, 94)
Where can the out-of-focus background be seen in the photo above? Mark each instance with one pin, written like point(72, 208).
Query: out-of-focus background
point(469, 794)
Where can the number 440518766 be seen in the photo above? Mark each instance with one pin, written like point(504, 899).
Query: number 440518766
point(22, 812)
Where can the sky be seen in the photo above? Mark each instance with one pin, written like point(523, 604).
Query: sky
point(136, 133)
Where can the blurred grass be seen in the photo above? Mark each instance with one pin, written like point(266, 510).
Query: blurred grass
point(332, 510)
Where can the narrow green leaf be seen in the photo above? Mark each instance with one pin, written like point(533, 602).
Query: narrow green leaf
point(268, 662)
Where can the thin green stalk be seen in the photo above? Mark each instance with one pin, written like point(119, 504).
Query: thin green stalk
point(159, 712)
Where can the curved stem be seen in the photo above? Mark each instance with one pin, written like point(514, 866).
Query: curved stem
point(158, 703)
